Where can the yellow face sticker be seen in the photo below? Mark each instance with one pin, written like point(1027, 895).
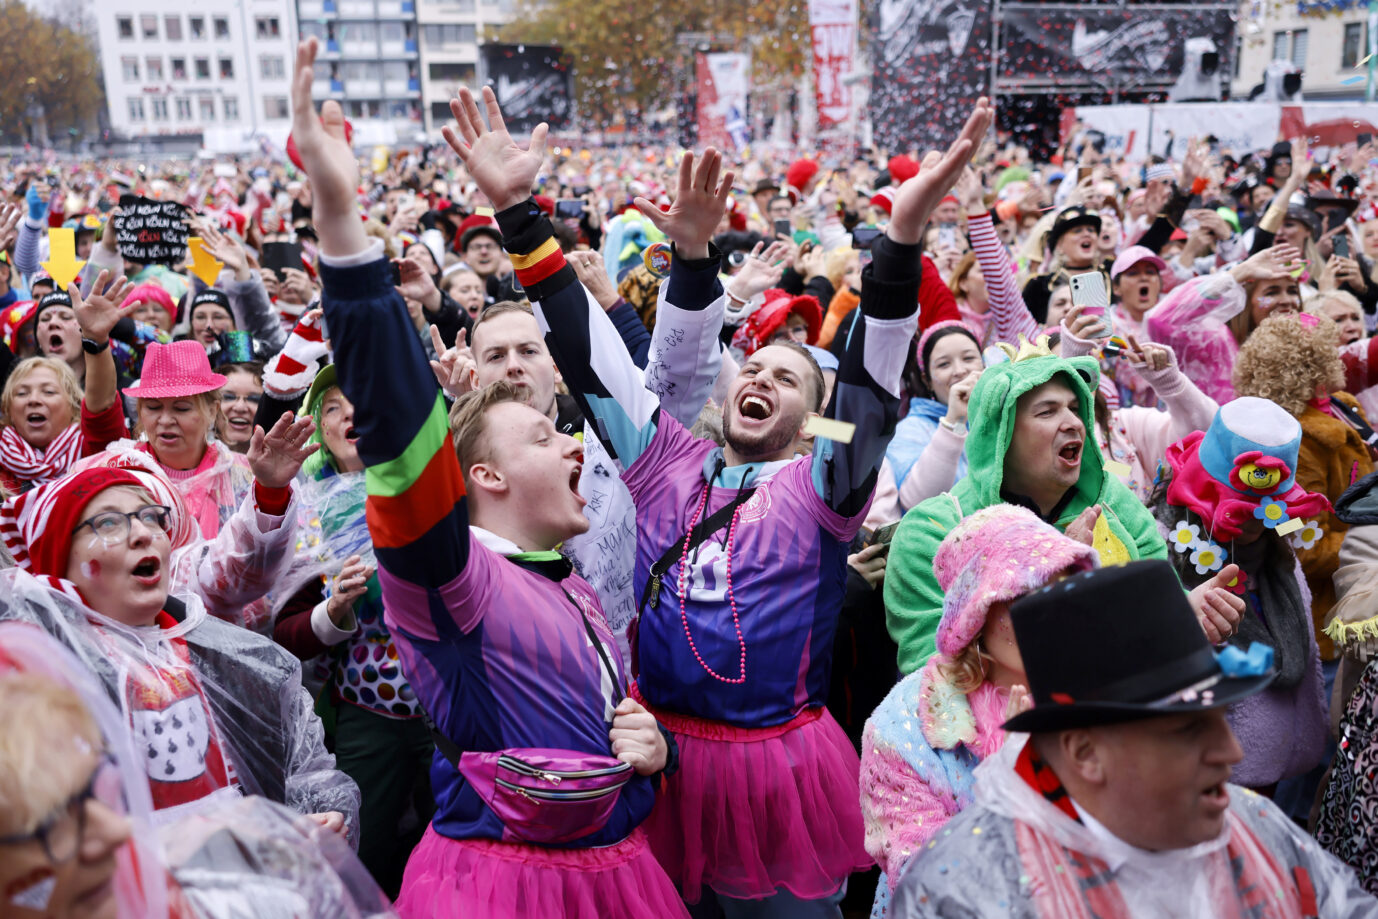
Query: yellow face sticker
point(1258, 478)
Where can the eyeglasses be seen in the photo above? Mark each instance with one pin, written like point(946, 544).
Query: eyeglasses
point(113, 526)
point(61, 832)
point(230, 398)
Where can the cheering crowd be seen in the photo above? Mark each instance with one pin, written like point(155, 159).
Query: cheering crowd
point(500, 529)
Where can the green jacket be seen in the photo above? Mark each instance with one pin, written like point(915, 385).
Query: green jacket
point(1126, 530)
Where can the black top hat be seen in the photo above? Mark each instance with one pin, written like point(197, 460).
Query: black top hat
point(1327, 198)
point(1074, 216)
point(1118, 644)
point(766, 184)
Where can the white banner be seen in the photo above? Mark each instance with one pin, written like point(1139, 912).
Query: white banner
point(833, 24)
point(724, 83)
point(1242, 127)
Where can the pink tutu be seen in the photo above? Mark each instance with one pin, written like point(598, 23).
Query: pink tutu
point(501, 880)
point(749, 812)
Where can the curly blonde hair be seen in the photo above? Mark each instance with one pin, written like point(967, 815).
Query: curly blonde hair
point(1290, 362)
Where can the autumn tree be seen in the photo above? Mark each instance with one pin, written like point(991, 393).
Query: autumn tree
point(625, 56)
point(47, 65)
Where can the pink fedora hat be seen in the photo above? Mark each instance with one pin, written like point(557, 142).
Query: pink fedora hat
point(173, 371)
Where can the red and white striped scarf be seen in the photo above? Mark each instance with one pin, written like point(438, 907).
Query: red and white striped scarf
point(29, 464)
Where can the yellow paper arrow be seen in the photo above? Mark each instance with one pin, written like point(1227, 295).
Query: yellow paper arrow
point(62, 262)
point(204, 265)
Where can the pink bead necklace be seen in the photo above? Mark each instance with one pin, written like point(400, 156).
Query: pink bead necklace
point(731, 598)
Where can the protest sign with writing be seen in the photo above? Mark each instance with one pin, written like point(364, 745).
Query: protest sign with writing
point(151, 231)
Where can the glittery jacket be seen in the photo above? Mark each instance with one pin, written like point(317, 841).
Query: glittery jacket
point(917, 755)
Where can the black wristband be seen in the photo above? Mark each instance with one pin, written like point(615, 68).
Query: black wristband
point(91, 347)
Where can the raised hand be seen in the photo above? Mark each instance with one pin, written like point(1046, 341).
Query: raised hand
point(1079, 324)
point(417, 284)
point(226, 250)
point(98, 313)
point(10, 215)
point(971, 193)
point(588, 268)
point(276, 457)
point(959, 398)
point(1216, 608)
point(328, 161)
point(349, 585)
point(1083, 529)
point(455, 369)
point(700, 201)
point(760, 272)
point(504, 172)
point(916, 198)
point(1150, 356)
point(1274, 262)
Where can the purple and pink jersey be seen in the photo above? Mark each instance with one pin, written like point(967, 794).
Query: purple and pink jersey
point(495, 648)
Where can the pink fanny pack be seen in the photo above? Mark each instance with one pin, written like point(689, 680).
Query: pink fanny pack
point(547, 796)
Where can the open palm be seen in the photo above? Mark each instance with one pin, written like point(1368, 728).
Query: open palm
point(917, 197)
point(502, 170)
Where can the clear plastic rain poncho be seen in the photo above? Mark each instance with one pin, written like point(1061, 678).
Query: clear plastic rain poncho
point(229, 858)
point(215, 709)
point(245, 572)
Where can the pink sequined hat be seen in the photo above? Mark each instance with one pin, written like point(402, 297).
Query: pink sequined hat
point(174, 371)
point(997, 555)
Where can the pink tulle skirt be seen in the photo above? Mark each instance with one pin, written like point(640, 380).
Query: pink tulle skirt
point(500, 880)
point(749, 812)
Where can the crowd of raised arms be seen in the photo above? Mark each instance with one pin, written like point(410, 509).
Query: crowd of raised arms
point(496, 529)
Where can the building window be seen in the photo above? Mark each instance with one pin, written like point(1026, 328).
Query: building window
point(227, 68)
point(205, 107)
point(148, 25)
point(275, 107)
point(231, 108)
point(270, 67)
point(159, 107)
point(179, 68)
point(129, 69)
point(1353, 42)
point(183, 108)
point(154, 68)
point(221, 25)
point(197, 26)
point(460, 73)
point(124, 26)
point(437, 37)
point(203, 68)
point(172, 27)
point(136, 109)
point(1299, 42)
point(267, 27)
point(1280, 46)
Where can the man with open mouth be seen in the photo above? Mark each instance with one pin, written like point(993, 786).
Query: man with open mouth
point(1028, 445)
point(741, 549)
point(1118, 803)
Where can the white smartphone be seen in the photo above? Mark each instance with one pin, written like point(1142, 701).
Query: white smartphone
point(1090, 293)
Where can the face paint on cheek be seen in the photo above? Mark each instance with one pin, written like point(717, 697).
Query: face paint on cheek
point(33, 890)
point(90, 570)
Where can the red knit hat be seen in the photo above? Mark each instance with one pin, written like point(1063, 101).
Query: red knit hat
point(756, 332)
point(797, 176)
point(472, 226)
point(37, 525)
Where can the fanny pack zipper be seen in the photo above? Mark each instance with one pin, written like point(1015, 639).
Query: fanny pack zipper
point(516, 765)
point(539, 796)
